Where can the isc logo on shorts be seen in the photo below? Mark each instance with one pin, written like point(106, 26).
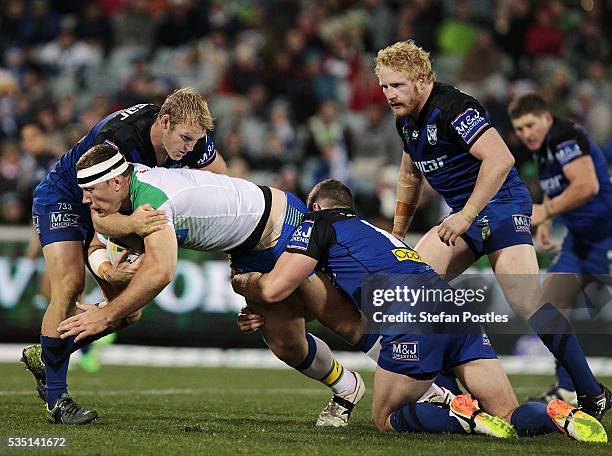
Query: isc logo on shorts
point(522, 223)
point(407, 255)
point(405, 351)
point(62, 220)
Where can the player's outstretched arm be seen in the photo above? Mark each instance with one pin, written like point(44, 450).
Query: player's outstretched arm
point(409, 189)
point(290, 271)
point(143, 221)
point(157, 271)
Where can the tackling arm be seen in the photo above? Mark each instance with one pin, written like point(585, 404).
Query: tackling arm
point(290, 271)
point(143, 221)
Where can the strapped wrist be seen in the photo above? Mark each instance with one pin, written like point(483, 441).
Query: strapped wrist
point(469, 212)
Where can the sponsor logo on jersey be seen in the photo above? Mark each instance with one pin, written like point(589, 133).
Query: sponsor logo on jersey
point(407, 255)
point(432, 134)
point(468, 124)
point(205, 158)
point(415, 134)
point(62, 220)
point(522, 223)
point(301, 236)
point(36, 223)
point(551, 185)
point(429, 166)
point(124, 114)
point(567, 151)
point(405, 351)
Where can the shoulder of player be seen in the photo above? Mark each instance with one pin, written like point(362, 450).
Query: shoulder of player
point(126, 124)
point(564, 130)
point(329, 217)
point(452, 102)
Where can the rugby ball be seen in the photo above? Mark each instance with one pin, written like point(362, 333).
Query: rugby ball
point(115, 248)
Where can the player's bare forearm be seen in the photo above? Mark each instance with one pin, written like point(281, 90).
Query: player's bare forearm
point(116, 225)
point(409, 189)
point(290, 271)
point(248, 285)
point(157, 271)
point(143, 221)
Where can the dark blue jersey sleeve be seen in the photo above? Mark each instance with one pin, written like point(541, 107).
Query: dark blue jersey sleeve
point(312, 238)
point(466, 121)
point(203, 154)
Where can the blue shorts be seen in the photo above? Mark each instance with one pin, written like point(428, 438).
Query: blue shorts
point(504, 222)
point(584, 255)
point(264, 260)
point(424, 355)
point(58, 215)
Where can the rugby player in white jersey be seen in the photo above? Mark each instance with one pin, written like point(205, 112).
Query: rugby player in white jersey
point(212, 212)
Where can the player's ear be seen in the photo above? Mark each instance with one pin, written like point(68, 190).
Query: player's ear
point(165, 121)
point(316, 207)
point(549, 118)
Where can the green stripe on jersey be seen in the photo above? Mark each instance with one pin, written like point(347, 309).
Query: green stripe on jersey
point(143, 193)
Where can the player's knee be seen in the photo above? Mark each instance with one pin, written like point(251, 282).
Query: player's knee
point(68, 287)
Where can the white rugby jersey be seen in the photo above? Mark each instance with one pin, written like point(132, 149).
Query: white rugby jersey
point(208, 211)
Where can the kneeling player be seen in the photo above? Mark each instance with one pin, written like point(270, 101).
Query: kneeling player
point(350, 250)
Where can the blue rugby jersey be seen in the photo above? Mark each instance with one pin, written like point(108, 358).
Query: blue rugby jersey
point(439, 140)
point(129, 131)
point(348, 249)
point(564, 143)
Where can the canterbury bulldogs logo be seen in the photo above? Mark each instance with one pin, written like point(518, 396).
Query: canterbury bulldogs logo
point(432, 134)
point(405, 351)
point(522, 223)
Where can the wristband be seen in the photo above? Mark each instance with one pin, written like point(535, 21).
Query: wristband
point(404, 209)
point(469, 212)
point(96, 258)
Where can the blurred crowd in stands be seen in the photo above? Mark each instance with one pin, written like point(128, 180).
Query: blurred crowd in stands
point(290, 82)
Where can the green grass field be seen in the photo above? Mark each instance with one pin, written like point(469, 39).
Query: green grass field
point(185, 411)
